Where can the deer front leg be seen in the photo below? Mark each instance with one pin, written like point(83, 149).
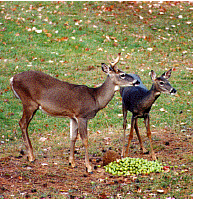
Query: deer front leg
point(139, 137)
point(124, 128)
point(73, 138)
point(147, 124)
point(82, 126)
point(130, 136)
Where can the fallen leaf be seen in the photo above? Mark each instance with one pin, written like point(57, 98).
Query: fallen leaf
point(107, 138)
point(38, 31)
point(87, 49)
point(115, 44)
point(13, 9)
point(48, 34)
point(141, 17)
point(66, 24)
point(90, 67)
point(100, 49)
point(43, 139)
point(149, 49)
point(166, 169)
point(64, 39)
point(160, 191)
point(163, 110)
point(44, 164)
point(185, 170)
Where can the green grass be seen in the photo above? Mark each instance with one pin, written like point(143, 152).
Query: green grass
point(78, 35)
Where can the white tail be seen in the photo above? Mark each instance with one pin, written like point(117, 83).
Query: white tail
point(58, 98)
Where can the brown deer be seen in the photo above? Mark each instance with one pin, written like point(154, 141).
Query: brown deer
point(80, 103)
point(139, 100)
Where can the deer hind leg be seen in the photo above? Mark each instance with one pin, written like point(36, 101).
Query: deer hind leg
point(73, 138)
point(82, 127)
point(130, 136)
point(147, 124)
point(139, 137)
point(28, 113)
point(124, 110)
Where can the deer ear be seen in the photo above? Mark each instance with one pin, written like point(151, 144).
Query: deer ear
point(105, 68)
point(167, 74)
point(153, 75)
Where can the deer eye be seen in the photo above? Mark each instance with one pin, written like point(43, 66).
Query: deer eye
point(161, 83)
point(122, 75)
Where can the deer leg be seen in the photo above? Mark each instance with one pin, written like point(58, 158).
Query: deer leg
point(82, 127)
point(130, 136)
point(124, 128)
point(28, 113)
point(147, 124)
point(73, 138)
point(139, 137)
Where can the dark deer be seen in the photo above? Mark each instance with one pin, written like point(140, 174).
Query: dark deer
point(80, 103)
point(139, 100)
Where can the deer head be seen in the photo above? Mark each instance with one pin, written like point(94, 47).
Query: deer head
point(162, 84)
point(117, 76)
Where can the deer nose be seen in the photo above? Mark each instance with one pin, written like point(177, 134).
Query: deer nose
point(136, 82)
point(173, 91)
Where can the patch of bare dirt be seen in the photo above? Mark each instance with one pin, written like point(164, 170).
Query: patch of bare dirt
point(53, 177)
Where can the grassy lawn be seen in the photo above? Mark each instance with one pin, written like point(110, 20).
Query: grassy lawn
point(70, 40)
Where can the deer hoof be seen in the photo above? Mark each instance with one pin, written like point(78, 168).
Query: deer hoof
point(123, 155)
point(145, 152)
point(89, 170)
point(72, 165)
point(32, 160)
point(153, 156)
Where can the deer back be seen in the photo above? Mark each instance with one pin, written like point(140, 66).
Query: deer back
point(55, 97)
point(133, 98)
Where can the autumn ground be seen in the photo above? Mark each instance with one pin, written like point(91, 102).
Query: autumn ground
point(69, 40)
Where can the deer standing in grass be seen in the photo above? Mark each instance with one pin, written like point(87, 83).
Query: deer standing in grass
point(80, 103)
point(139, 100)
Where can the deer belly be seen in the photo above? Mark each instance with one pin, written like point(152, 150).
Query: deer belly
point(56, 113)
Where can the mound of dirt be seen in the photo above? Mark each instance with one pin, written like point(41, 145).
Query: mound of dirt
point(109, 157)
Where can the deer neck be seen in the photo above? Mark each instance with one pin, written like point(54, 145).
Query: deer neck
point(105, 92)
point(151, 97)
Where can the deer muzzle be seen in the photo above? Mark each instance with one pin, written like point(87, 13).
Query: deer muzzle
point(136, 82)
point(173, 91)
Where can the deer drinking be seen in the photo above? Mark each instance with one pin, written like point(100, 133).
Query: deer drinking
point(37, 90)
point(139, 100)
